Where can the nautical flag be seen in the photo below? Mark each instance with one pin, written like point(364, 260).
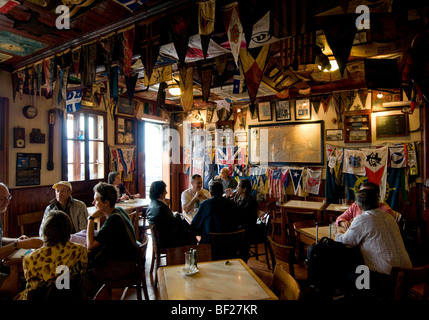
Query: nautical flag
point(76, 60)
point(127, 44)
point(261, 34)
point(60, 91)
point(206, 22)
point(353, 184)
point(179, 29)
point(296, 175)
point(254, 68)
point(376, 167)
point(325, 102)
point(312, 182)
point(132, 5)
point(239, 80)
point(73, 102)
point(186, 87)
point(130, 82)
point(107, 46)
point(397, 155)
point(89, 55)
point(412, 158)
point(48, 70)
point(210, 171)
point(6, 5)
point(395, 179)
point(233, 27)
point(354, 162)
point(161, 74)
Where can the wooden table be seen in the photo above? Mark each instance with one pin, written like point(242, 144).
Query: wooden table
point(308, 235)
point(214, 281)
point(14, 261)
point(334, 210)
point(300, 205)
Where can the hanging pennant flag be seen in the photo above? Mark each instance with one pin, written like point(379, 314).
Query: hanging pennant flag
point(132, 5)
point(73, 100)
point(233, 27)
point(289, 18)
point(376, 165)
point(48, 70)
point(159, 75)
point(107, 46)
point(296, 175)
point(312, 182)
point(239, 80)
point(412, 158)
point(89, 55)
point(148, 38)
point(254, 68)
point(261, 34)
point(130, 82)
point(325, 102)
point(60, 91)
point(354, 162)
point(205, 70)
point(340, 39)
point(76, 60)
point(206, 22)
point(38, 77)
point(186, 88)
point(126, 39)
point(397, 156)
point(6, 5)
point(362, 94)
point(316, 104)
point(179, 29)
point(21, 80)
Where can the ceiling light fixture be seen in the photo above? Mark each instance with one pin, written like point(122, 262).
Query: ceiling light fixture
point(174, 91)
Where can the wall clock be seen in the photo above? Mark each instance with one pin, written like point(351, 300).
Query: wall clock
point(30, 112)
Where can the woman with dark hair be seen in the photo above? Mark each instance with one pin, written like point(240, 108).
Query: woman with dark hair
point(173, 231)
point(40, 266)
point(113, 251)
point(115, 178)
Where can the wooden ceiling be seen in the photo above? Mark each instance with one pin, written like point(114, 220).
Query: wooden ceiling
point(34, 26)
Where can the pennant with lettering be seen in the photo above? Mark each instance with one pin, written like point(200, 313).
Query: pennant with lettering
point(206, 22)
point(233, 27)
point(397, 156)
point(312, 182)
point(73, 102)
point(354, 162)
point(126, 39)
point(186, 87)
point(376, 166)
point(179, 29)
point(254, 68)
point(296, 175)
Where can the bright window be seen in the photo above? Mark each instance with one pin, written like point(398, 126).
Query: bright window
point(85, 146)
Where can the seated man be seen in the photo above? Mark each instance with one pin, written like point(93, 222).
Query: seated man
point(10, 245)
point(228, 182)
point(75, 209)
point(216, 214)
point(379, 239)
point(191, 198)
point(247, 207)
point(345, 219)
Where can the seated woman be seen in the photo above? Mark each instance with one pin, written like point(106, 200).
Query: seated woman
point(113, 251)
point(173, 231)
point(40, 266)
point(115, 179)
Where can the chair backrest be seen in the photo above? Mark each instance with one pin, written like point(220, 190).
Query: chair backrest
point(141, 262)
point(404, 279)
point(294, 217)
point(283, 254)
point(134, 217)
point(27, 219)
point(176, 255)
point(154, 234)
point(284, 285)
point(227, 245)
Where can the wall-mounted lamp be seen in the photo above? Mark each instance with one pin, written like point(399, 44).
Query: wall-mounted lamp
point(174, 90)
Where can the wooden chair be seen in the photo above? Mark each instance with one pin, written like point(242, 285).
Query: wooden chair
point(157, 252)
point(297, 216)
point(261, 238)
point(284, 285)
point(176, 255)
point(26, 219)
point(284, 256)
point(136, 280)
point(229, 245)
point(276, 219)
point(410, 283)
point(134, 217)
point(295, 239)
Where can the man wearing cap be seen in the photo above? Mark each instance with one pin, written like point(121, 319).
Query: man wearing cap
point(74, 208)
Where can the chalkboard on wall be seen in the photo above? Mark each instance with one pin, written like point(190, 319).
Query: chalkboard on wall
point(392, 125)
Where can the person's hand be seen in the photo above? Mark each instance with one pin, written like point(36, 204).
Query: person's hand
point(97, 214)
point(23, 237)
point(124, 197)
point(30, 243)
point(344, 225)
point(137, 195)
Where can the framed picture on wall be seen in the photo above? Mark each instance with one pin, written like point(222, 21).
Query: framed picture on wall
point(264, 111)
point(334, 135)
point(282, 110)
point(302, 109)
point(125, 130)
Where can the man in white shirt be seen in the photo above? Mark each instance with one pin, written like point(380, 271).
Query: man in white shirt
point(191, 198)
point(378, 237)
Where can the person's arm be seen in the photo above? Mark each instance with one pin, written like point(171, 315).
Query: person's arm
point(187, 205)
point(11, 245)
point(47, 210)
point(354, 235)
point(83, 217)
point(348, 215)
point(91, 243)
